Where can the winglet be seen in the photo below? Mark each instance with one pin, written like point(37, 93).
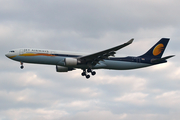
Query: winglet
point(130, 41)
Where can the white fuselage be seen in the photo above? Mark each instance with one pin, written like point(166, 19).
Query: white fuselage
point(53, 57)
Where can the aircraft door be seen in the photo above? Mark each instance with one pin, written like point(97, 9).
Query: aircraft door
point(52, 52)
point(21, 51)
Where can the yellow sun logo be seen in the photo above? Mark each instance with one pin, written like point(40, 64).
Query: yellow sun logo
point(158, 49)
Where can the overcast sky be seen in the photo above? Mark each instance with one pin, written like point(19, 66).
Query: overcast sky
point(38, 92)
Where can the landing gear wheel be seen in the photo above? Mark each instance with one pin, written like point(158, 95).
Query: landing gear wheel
point(22, 67)
point(87, 76)
point(93, 72)
point(83, 73)
point(89, 70)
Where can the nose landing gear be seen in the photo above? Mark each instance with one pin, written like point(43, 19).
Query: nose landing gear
point(21, 65)
point(84, 73)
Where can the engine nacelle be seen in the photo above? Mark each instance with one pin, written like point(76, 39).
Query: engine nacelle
point(63, 69)
point(70, 61)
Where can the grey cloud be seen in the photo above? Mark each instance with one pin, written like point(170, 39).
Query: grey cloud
point(94, 17)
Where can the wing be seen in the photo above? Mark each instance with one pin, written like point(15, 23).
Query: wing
point(93, 59)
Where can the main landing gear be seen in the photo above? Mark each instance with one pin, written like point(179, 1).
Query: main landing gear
point(84, 73)
point(21, 65)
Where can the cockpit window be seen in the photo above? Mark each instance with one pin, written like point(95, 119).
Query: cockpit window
point(12, 51)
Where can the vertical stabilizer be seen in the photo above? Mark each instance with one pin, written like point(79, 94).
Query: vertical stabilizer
point(158, 49)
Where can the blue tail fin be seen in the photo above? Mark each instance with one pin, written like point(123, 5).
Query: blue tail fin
point(157, 50)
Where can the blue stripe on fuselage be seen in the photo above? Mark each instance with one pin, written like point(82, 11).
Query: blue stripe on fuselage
point(125, 59)
point(135, 59)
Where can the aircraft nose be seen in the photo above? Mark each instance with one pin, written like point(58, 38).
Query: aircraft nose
point(7, 55)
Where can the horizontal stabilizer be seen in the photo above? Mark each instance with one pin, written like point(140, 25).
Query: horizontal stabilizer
point(162, 59)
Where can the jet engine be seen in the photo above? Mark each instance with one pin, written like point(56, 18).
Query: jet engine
point(70, 61)
point(63, 69)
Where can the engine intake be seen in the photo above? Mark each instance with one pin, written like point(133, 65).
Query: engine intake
point(63, 69)
point(70, 61)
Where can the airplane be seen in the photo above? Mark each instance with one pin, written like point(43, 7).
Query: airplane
point(68, 61)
